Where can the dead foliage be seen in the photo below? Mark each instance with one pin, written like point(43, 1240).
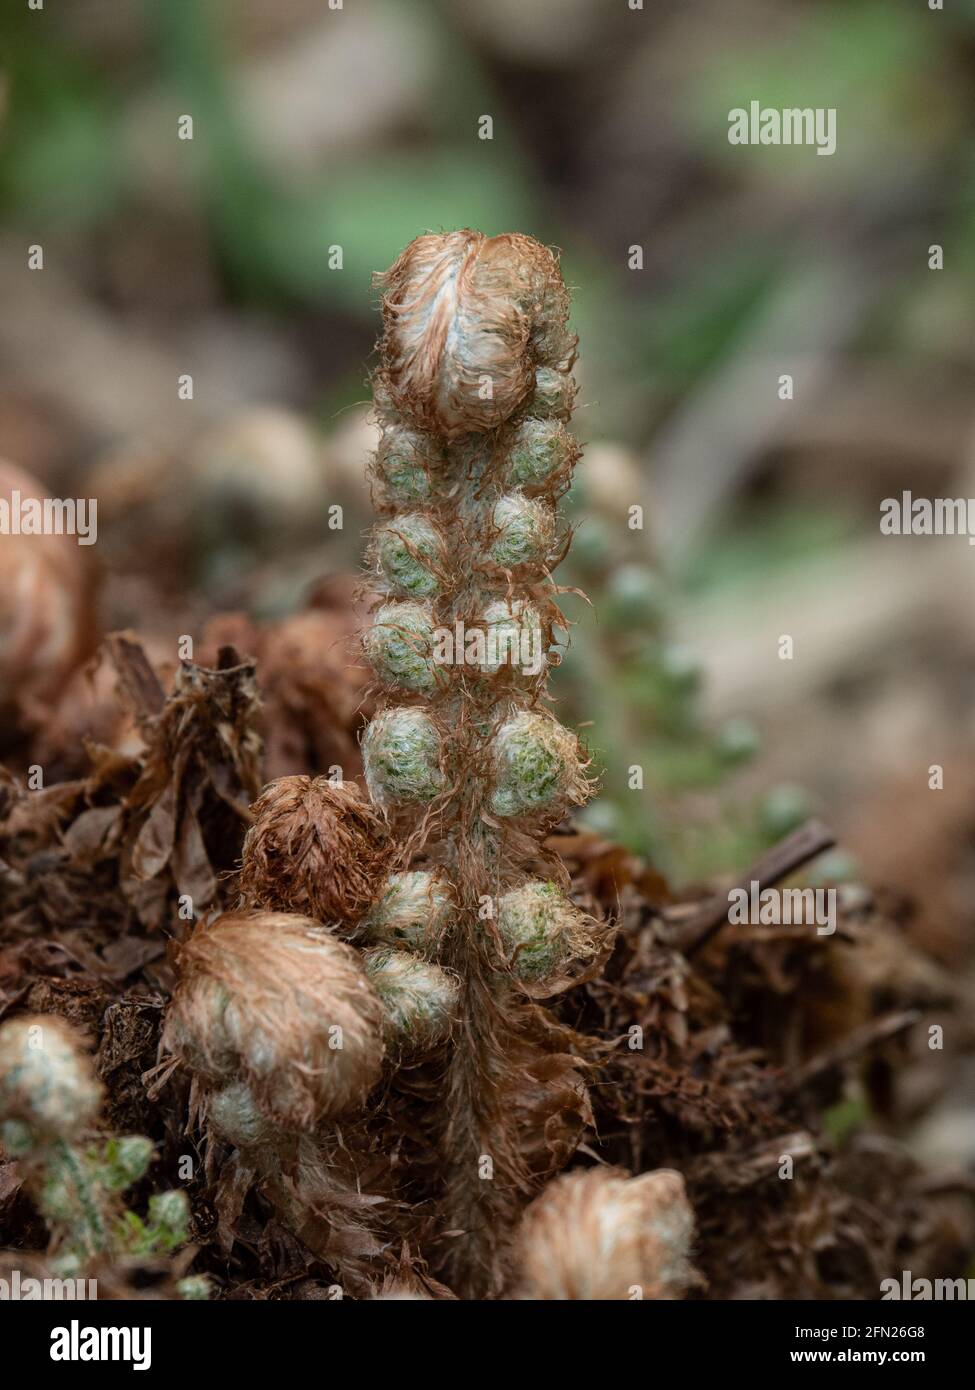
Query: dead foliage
point(720, 1064)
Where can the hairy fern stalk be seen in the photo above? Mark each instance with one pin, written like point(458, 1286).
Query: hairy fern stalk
point(473, 394)
point(365, 1029)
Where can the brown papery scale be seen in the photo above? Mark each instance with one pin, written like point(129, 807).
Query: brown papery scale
point(472, 394)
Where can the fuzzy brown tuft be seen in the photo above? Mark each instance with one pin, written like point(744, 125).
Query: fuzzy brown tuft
point(273, 1000)
point(316, 847)
point(600, 1235)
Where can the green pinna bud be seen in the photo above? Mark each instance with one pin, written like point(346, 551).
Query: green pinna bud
point(554, 394)
point(536, 767)
point(194, 1288)
point(400, 646)
point(737, 741)
point(420, 999)
point(681, 669)
point(542, 931)
point(47, 1082)
point(514, 638)
point(525, 530)
point(413, 910)
point(403, 464)
point(402, 753)
point(15, 1137)
point(125, 1161)
point(540, 449)
point(234, 1114)
point(58, 1199)
point(409, 553)
point(784, 809)
point(169, 1212)
point(635, 599)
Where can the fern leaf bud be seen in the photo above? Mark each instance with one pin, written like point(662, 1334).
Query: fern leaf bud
point(536, 767)
point(413, 911)
point(402, 753)
point(420, 999)
point(47, 1081)
point(542, 931)
point(525, 530)
point(599, 1235)
point(273, 1000)
point(409, 554)
point(399, 645)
